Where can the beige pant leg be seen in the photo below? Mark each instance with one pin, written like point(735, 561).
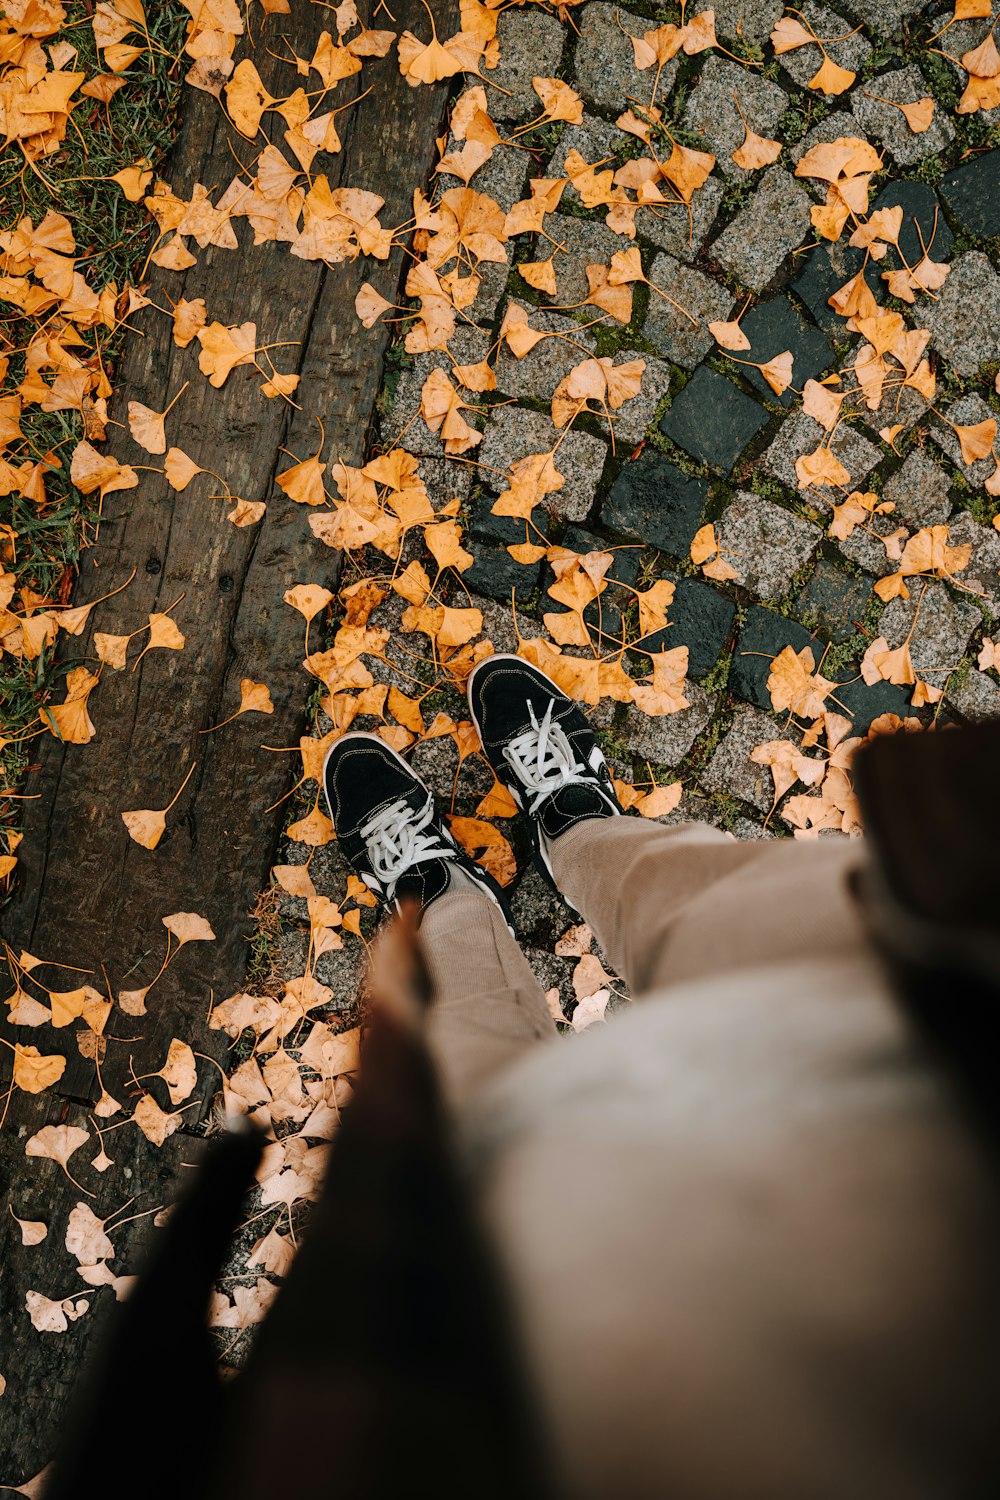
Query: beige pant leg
point(488, 1007)
point(670, 904)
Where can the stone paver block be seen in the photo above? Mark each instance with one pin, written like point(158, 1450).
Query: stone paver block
point(924, 227)
point(732, 772)
point(531, 45)
point(835, 600)
point(712, 419)
point(588, 242)
point(774, 327)
point(504, 177)
point(965, 323)
point(513, 432)
point(605, 614)
point(887, 17)
point(740, 18)
point(865, 703)
point(672, 227)
point(763, 637)
point(595, 139)
point(667, 739)
point(536, 375)
point(711, 110)
point(965, 412)
point(942, 631)
point(825, 270)
point(899, 405)
point(764, 543)
point(468, 346)
point(605, 68)
point(633, 418)
point(498, 624)
point(496, 574)
point(983, 572)
point(919, 491)
point(800, 434)
point(848, 52)
point(653, 501)
point(837, 123)
point(445, 480)
point(865, 548)
point(701, 619)
point(773, 223)
point(972, 193)
point(673, 333)
point(888, 125)
point(976, 698)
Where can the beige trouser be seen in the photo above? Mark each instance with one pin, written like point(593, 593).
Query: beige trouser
point(667, 904)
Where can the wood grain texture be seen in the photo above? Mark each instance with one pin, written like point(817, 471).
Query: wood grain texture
point(88, 895)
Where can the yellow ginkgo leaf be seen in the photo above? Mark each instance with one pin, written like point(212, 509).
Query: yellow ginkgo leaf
point(756, 151)
point(247, 98)
point(831, 78)
point(308, 599)
point(33, 1072)
point(179, 469)
point(146, 825)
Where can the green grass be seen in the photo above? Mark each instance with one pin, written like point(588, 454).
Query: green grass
point(112, 237)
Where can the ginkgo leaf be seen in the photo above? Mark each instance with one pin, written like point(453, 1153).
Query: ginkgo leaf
point(189, 318)
point(487, 845)
point(188, 927)
point(155, 1124)
point(33, 1231)
point(86, 1239)
point(976, 441)
point(57, 1143)
point(560, 101)
point(179, 469)
point(919, 114)
point(778, 372)
point(756, 151)
point(830, 78)
point(370, 305)
point(146, 827)
point(303, 482)
point(247, 98)
point(223, 349)
point(308, 599)
point(146, 427)
point(180, 1071)
point(729, 335)
point(33, 1072)
point(255, 697)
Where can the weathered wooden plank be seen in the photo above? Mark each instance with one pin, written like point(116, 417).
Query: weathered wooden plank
point(40, 1368)
point(90, 896)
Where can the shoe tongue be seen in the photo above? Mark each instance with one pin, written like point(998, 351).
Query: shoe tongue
point(568, 805)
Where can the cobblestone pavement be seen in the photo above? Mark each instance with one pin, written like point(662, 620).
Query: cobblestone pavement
point(707, 440)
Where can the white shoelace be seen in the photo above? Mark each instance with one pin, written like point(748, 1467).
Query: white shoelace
point(542, 758)
point(396, 841)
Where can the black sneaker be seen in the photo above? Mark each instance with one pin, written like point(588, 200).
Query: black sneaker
point(386, 825)
point(542, 748)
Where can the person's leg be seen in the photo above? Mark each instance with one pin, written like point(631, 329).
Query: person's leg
point(488, 1007)
point(667, 904)
point(670, 904)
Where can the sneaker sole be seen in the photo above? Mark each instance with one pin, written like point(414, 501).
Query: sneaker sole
point(489, 886)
